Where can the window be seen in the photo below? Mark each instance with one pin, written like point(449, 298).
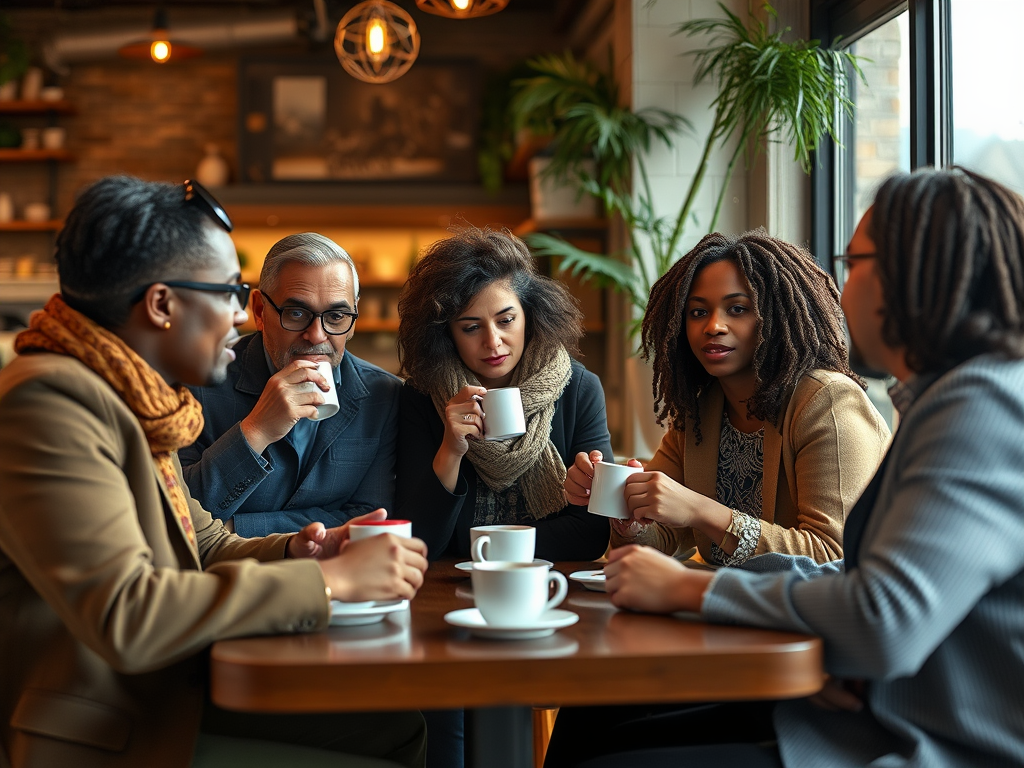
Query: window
point(988, 111)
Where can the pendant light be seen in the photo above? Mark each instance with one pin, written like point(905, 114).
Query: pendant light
point(461, 9)
point(159, 47)
point(377, 41)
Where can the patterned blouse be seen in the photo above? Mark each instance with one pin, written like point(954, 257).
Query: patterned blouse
point(506, 507)
point(738, 485)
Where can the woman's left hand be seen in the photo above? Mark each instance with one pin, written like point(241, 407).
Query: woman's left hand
point(656, 496)
point(643, 579)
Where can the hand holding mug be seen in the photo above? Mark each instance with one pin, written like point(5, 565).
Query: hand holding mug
point(377, 568)
point(319, 542)
point(580, 477)
point(463, 419)
point(287, 397)
point(654, 496)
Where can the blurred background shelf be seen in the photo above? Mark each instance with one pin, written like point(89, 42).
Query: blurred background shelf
point(37, 107)
point(35, 155)
point(32, 226)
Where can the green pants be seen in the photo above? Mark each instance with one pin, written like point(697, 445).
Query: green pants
point(342, 740)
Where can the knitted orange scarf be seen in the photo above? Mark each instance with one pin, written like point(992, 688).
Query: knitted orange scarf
point(171, 418)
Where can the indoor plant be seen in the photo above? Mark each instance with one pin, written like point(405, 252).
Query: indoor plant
point(768, 90)
point(13, 57)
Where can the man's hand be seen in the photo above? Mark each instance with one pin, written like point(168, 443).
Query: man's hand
point(384, 567)
point(287, 398)
point(320, 542)
point(643, 579)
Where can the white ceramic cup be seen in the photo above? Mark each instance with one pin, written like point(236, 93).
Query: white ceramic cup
point(330, 405)
point(503, 543)
point(359, 531)
point(503, 413)
point(515, 594)
point(607, 493)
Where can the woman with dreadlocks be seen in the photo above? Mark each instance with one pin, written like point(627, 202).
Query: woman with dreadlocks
point(772, 438)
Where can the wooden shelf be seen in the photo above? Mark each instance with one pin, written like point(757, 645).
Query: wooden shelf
point(35, 155)
point(32, 226)
point(37, 107)
point(374, 325)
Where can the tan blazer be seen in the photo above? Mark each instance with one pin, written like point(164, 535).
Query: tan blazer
point(830, 444)
point(105, 608)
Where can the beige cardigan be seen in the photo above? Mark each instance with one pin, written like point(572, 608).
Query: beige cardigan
point(831, 441)
point(106, 609)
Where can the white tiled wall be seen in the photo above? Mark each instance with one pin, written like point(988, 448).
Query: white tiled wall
point(663, 77)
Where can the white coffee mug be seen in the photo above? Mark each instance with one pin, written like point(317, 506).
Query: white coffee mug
point(515, 594)
point(503, 414)
point(364, 530)
point(607, 494)
point(503, 543)
point(329, 407)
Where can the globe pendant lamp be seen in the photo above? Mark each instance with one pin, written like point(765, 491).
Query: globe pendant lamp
point(461, 9)
point(159, 47)
point(377, 41)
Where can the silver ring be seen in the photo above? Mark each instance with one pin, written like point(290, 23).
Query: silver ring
point(467, 417)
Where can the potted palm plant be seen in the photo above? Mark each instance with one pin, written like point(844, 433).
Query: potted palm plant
point(768, 90)
point(13, 59)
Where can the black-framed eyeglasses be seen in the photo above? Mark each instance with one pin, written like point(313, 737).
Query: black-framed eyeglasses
point(335, 322)
point(197, 193)
point(240, 291)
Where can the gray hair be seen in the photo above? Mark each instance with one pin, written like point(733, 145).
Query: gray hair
point(308, 249)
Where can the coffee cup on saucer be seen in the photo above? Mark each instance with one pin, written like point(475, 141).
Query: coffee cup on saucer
point(503, 543)
point(516, 594)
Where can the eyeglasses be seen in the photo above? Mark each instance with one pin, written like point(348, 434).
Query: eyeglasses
point(847, 258)
point(240, 291)
point(335, 322)
point(197, 193)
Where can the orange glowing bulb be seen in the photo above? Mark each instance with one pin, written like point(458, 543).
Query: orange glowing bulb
point(160, 51)
point(376, 37)
point(460, 5)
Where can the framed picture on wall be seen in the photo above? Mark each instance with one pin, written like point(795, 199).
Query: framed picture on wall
point(312, 121)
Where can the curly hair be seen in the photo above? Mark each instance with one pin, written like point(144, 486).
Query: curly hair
point(799, 326)
point(950, 257)
point(454, 270)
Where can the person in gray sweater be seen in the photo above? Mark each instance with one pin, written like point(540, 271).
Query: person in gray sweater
point(922, 623)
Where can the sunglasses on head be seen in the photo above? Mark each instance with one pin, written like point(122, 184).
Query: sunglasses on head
point(200, 195)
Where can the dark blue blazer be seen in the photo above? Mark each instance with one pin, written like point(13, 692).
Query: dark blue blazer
point(351, 469)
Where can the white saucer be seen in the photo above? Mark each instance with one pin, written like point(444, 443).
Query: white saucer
point(470, 618)
point(467, 565)
point(592, 580)
point(354, 614)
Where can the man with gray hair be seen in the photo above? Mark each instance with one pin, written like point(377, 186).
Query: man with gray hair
point(261, 463)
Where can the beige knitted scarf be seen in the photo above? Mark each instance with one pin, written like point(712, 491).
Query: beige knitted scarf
point(532, 457)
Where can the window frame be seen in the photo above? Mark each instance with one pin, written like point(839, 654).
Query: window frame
point(931, 100)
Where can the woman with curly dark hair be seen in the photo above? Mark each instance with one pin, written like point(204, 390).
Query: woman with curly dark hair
point(476, 315)
point(771, 436)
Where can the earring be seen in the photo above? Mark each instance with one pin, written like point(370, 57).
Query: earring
point(167, 325)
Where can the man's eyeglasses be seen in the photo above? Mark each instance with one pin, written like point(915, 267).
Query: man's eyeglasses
point(239, 290)
point(335, 322)
point(847, 259)
point(198, 194)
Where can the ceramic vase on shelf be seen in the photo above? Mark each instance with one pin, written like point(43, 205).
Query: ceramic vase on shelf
point(32, 84)
point(212, 170)
point(6, 208)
